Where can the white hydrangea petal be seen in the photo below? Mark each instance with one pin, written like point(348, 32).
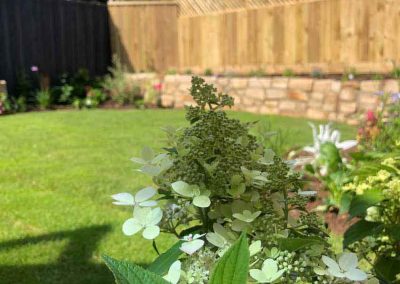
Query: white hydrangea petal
point(258, 275)
point(330, 262)
point(202, 201)
point(131, 227)
point(145, 194)
point(192, 246)
point(269, 266)
point(141, 214)
point(174, 272)
point(154, 217)
point(277, 275)
point(335, 272)
point(123, 198)
point(198, 236)
point(216, 239)
point(182, 188)
point(348, 261)
point(151, 232)
point(356, 275)
point(149, 203)
point(255, 247)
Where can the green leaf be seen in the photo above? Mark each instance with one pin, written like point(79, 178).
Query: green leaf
point(161, 265)
point(387, 268)
point(233, 266)
point(360, 230)
point(360, 203)
point(294, 244)
point(183, 188)
point(129, 273)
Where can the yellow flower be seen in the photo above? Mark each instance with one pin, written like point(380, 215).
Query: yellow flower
point(383, 175)
point(390, 162)
point(361, 188)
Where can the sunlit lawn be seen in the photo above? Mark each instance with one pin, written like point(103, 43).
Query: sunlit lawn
point(57, 172)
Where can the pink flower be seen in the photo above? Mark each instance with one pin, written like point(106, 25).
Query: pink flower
point(370, 116)
point(34, 68)
point(157, 87)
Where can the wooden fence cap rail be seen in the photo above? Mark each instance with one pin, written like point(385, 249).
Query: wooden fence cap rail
point(141, 3)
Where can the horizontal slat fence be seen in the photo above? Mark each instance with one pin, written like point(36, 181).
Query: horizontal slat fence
point(144, 34)
point(58, 36)
point(333, 35)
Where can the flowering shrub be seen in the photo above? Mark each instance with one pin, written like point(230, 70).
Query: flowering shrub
point(222, 190)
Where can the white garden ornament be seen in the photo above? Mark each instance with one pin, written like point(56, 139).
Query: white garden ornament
point(346, 267)
point(141, 198)
point(327, 134)
point(192, 243)
point(268, 273)
point(146, 219)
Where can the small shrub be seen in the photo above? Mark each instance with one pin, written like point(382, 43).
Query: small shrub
point(257, 73)
point(43, 98)
point(317, 73)
point(396, 72)
point(188, 72)
point(171, 71)
point(288, 73)
point(21, 105)
point(5, 104)
point(377, 77)
point(208, 72)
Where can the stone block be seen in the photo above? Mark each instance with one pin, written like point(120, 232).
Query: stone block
point(297, 95)
point(316, 114)
point(391, 86)
point(332, 116)
point(368, 100)
point(329, 106)
point(184, 87)
point(239, 83)
point(348, 107)
point(322, 85)
point(317, 96)
point(259, 82)
point(331, 98)
point(348, 94)
point(167, 101)
point(252, 108)
point(269, 110)
point(255, 93)
point(315, 104)
point(351, 84)
point(280, 82)
point(288, 106)
point(276, 94)
point(304, 84)
point(247, 101)
point(372, 86)
point(336, 86)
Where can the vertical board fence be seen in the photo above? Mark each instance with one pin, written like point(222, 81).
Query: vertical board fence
point(144, 34)
point(58, 36)
point(333, 35)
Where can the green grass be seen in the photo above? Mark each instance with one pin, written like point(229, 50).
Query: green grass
point(57, 172)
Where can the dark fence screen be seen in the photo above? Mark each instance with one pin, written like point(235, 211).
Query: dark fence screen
point(58, 36)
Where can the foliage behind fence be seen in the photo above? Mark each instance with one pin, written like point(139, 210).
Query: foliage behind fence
point(56, 35)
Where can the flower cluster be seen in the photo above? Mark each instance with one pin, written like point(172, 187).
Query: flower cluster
point(218, 182)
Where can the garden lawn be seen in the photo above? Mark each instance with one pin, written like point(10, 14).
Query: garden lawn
point(57, 172)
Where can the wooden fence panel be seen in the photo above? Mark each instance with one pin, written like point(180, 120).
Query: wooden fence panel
point(58, 36)
point(144, 34)
point(333, 35)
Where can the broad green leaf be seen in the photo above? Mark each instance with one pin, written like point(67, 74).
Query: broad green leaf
point(165, 260)
point(216, 239)
point(294, 244)
point(387, 268)
point(147, 154)
point(182, 188)
point(360, 203)
point(129, 273)
point(360, 230)
point(202, 201)
point(233, 266)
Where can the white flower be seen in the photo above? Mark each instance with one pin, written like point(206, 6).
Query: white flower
point(144, 218)
point(268, 273)
point(174, 272)
point(200, 198)
point(346, 267)
point(255, 247)
point(326, 134)
point(140, 198)
point(192, 243)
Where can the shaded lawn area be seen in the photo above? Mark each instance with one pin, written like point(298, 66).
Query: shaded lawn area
point(57, 172)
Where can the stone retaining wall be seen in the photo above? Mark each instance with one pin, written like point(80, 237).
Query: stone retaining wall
point(304, 97)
